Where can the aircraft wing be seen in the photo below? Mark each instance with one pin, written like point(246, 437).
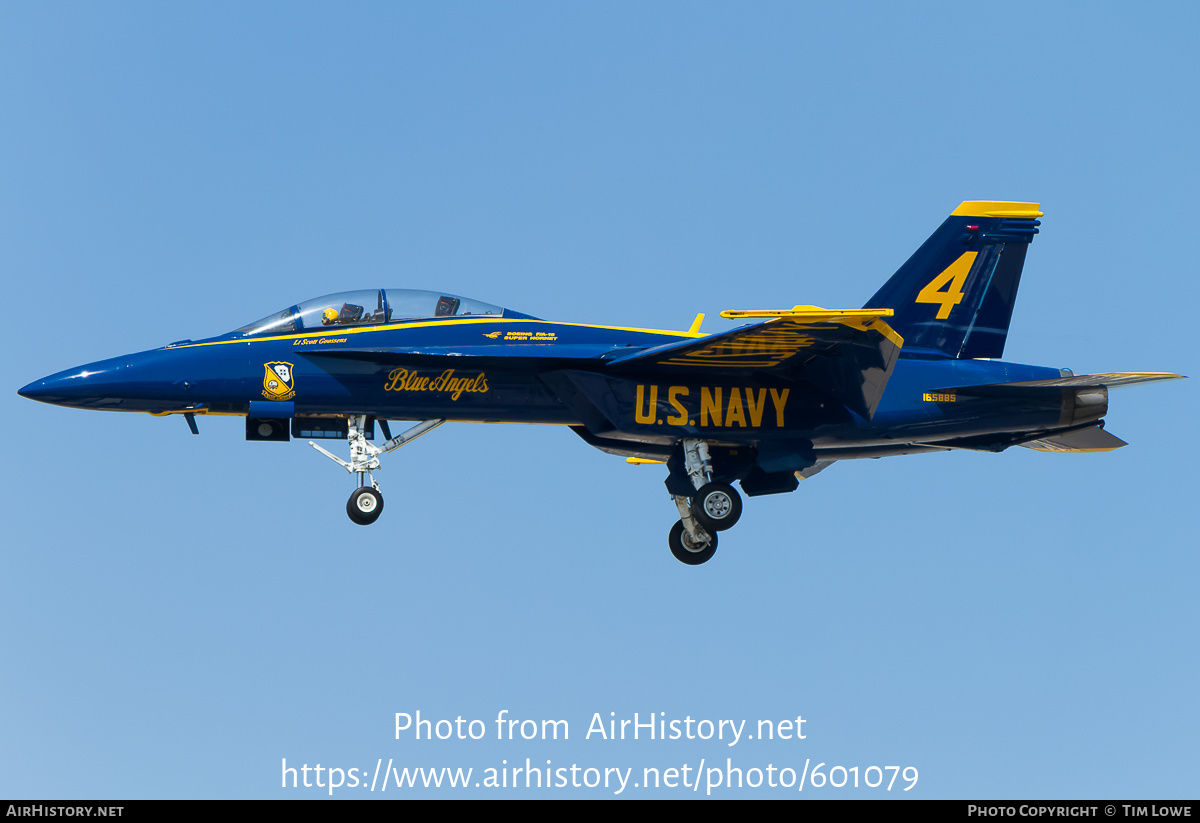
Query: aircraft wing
point(848, 354)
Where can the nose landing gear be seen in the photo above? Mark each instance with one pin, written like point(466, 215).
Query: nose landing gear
point(366, 504)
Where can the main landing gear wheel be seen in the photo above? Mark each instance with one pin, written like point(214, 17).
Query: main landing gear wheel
point(364, 506)
point(689, 551)
point(716, 506)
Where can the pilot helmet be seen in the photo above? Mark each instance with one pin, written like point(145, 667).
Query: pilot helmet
point(329, 317)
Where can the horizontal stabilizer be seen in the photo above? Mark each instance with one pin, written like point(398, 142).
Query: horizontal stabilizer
point(820, 465)
point(1093, 439)
point(1110, 379)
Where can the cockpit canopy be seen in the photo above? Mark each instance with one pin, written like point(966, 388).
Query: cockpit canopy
point(369, 307)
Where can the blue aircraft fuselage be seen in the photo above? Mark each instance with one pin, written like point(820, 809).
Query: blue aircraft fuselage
point(494, 369)
point(765, 404)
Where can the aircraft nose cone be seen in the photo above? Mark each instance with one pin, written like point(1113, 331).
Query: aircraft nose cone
point(34, 391)
point(60, 389)
point(85, 386)
point(146, 381)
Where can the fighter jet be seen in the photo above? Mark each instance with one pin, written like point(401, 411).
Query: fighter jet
point(764, 405)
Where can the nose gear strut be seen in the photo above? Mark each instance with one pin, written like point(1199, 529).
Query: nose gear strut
point(366, 503)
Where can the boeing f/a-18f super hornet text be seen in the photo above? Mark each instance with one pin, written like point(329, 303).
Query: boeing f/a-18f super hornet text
point(764, 405)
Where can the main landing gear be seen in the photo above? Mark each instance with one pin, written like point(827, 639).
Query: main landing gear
point(711, 508)
point(366, 504)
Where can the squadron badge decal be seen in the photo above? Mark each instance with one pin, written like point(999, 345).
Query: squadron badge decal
point(278, 381)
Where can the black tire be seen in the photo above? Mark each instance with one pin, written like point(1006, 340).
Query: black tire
point(685, 551)
point(364, 506)
point(716, 506)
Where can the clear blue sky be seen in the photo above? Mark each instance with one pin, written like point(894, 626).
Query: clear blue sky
point(181, 613)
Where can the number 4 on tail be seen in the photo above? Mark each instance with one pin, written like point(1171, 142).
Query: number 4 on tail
point(951, 280)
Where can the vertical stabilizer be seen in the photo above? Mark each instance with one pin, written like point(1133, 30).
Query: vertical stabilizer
point(954, 297)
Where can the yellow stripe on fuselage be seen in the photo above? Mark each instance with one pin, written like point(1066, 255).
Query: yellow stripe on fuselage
point(429, 324)
point(205, 412)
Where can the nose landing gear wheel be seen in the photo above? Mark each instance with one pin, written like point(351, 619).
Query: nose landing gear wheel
point(364, 506)
point(687, 550)
point(716, 506)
